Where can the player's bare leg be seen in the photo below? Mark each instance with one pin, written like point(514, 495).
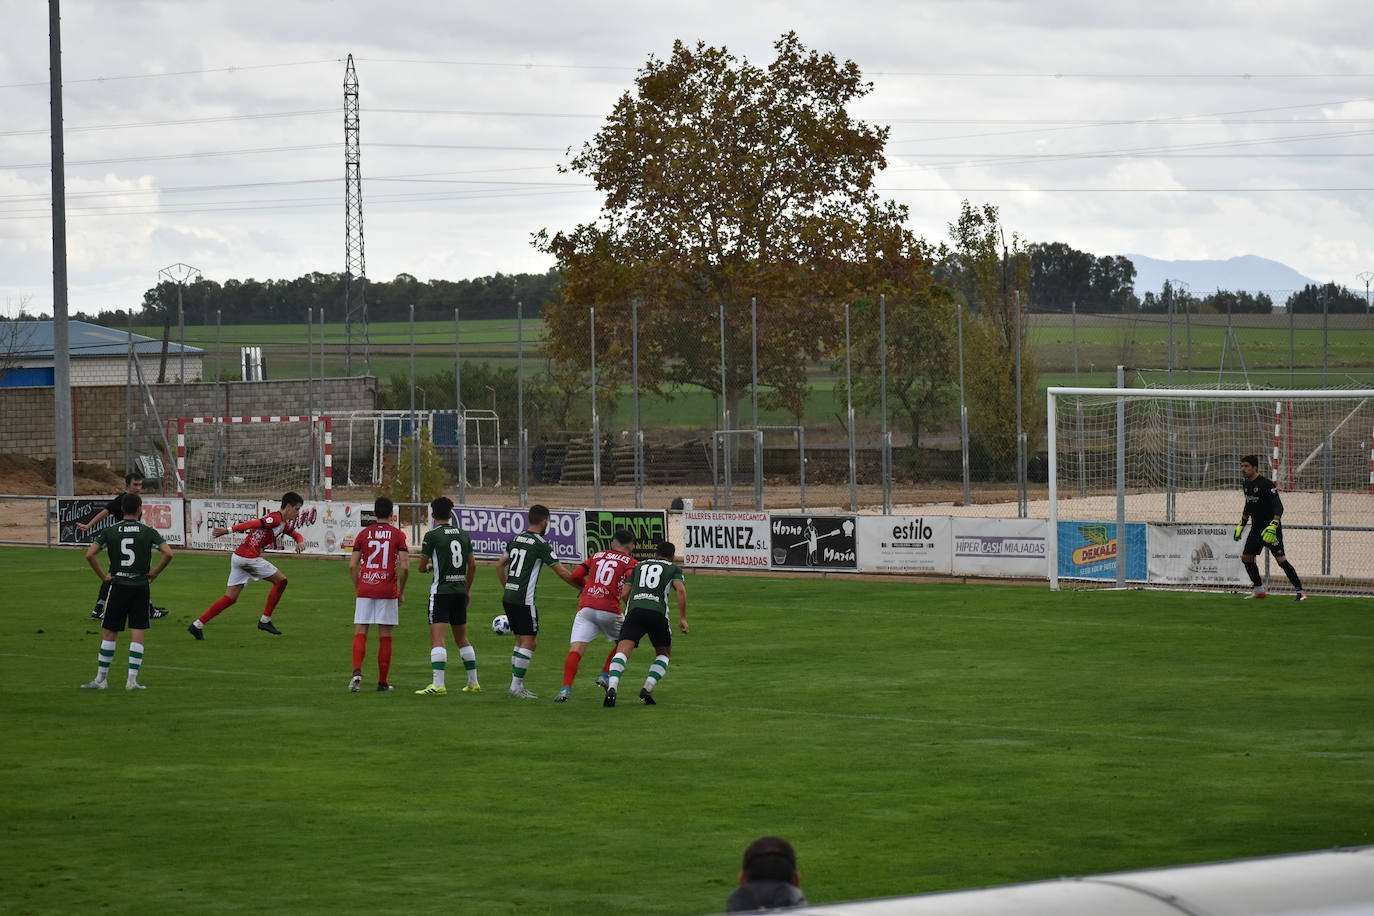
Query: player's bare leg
point(231, 595)
point(278, 586)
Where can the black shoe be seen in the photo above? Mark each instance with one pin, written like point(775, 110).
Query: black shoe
point(158, 613)
point(197, 632)
point(647, 697)
point(268, 626)
point(610, 697)
point(384, 687)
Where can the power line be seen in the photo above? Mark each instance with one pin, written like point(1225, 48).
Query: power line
point(145, 76)
point(206, 154)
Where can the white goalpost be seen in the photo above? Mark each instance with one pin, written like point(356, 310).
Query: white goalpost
point(1144, 485)
point(254, 456)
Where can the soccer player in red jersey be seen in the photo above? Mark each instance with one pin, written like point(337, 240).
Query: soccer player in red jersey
point(601, 575)
point(379, 565)
point(248, 564)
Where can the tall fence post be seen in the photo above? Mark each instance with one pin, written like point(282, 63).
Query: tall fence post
point(634, 392)
point(1121, 551)
point(849, 415)
point(596, 420)
point(963, 405)
point(885, 435)
point(460, 415)
point(754, 389)
point(1022, 500)
point(727, 443)
point(129, 400)
point(414, 424)
point(521, 438)
point(310, 392)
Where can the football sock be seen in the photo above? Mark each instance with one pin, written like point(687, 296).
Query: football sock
point(272, 598)
point(383, 659)
point(438, 661)
point(1292, 574)
point(606, 665)
point(617, 668)
point(570, 665)
point(359, 649)
point(135, 660)
point(215, 610)
point(1253, 569)
point(656, 672)
point(102, 662)
point(469, 656)
point(519, 664)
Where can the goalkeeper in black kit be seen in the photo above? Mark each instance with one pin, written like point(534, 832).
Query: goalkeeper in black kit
point(1264, 511)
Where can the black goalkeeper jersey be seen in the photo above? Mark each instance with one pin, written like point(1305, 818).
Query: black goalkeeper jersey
point(1262, 501)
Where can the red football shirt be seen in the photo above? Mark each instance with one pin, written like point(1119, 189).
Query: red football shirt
point(262, 533)
point(604, 572)
point(380, 545)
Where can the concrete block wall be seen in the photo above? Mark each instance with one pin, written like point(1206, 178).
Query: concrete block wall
point(100, 418)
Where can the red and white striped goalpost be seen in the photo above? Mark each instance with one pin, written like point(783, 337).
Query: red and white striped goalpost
point(324, 423)
point(1278, 428)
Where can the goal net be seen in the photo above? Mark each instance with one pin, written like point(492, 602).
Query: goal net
point(259, 457)
point(1144, 485)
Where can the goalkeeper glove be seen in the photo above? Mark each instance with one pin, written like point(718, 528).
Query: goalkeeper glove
point(1271, 532)
point(1240, 530)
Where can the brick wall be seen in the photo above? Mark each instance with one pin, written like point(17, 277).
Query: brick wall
point(100, 419)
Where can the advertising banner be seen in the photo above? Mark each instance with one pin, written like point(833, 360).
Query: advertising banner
point(1001, 547)
point(725, 540)
point(328, 528)
point(649, 526)
point(905, 543)
point(1194, 555)
point(1091, 550)
point(812, 542)
point(168, 516)
point(490, 527)
point(208, 514)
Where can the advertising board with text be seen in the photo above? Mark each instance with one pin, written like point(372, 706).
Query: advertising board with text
point(168, 516)
point(1091, 550)
point(1194, 554)
point(490, 527)
point(905, 543)
point(725, 540)
point(648, 526)
point(1000, 547)
point(812, 542)
point(209, 514)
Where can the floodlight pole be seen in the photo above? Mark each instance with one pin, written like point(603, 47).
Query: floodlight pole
point(61, 350)
point(179, 273)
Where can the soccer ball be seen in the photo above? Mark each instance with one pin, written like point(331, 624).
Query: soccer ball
point(500, 625)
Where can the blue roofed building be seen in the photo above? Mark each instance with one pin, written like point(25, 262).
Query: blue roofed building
point(99, 355)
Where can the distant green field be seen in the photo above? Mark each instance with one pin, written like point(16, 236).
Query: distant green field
point(906, 736)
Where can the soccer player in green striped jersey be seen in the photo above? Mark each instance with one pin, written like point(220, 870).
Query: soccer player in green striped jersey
point(447, 550)
point(130, 544)
point(646, 614)
point(518, 570)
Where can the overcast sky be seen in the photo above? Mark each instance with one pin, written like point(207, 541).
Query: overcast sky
point(1178, 130)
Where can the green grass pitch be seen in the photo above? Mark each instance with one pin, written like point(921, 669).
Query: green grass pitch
point(906, 736)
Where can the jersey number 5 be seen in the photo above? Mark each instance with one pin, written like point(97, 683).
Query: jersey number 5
point(126, 552)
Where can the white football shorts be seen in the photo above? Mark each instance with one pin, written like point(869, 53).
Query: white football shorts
point(590, 623)
point(243, 570)
point(385, 611)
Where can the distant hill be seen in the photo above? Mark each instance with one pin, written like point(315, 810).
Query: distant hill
point(1247, 272)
